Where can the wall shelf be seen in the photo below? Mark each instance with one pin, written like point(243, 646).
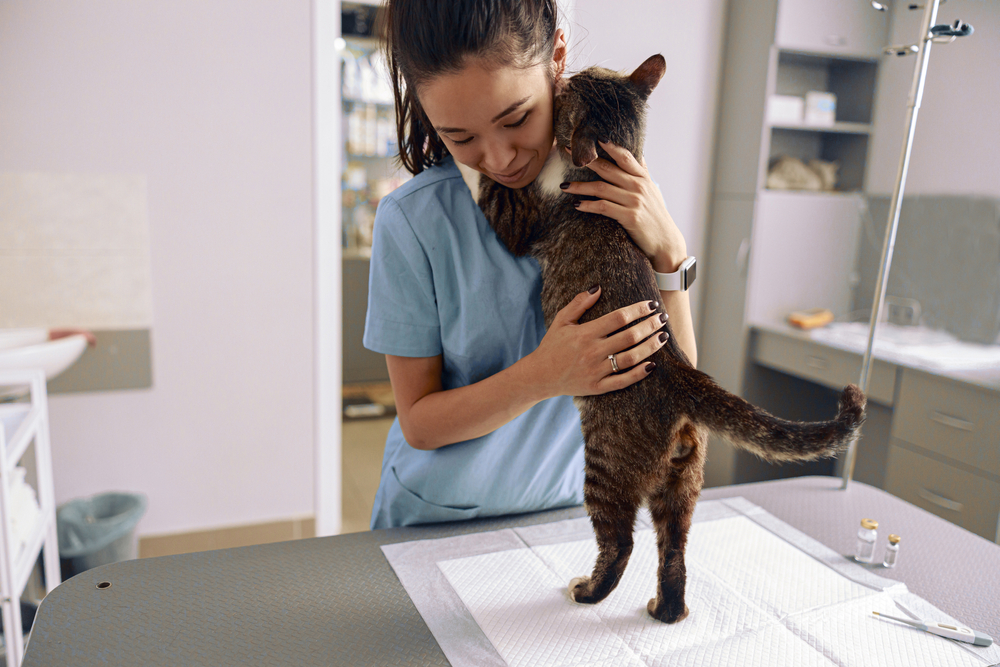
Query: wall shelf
point(836, 128)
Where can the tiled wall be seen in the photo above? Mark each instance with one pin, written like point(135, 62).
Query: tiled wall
point(946, 257)
point(74, 251)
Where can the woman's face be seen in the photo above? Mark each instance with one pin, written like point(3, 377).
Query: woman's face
point(496, 120)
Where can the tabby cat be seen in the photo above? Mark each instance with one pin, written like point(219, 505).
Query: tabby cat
point(645, 443)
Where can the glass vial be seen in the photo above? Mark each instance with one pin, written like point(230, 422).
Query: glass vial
point(891, 552)
point(864, 552)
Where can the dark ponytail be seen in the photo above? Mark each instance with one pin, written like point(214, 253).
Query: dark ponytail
point(425, 38)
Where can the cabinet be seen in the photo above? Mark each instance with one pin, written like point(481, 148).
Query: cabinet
point(823, 26)
point(945, 456)
point(786, 47)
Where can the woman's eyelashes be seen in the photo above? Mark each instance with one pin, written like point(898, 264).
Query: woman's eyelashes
point(516, 124)
point(521, 122)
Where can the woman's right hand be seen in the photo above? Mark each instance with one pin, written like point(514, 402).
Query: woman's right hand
point(572, 359)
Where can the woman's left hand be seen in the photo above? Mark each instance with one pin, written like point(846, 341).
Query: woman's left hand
point(628, 195)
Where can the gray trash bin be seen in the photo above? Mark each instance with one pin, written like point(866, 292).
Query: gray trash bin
point(98, 530)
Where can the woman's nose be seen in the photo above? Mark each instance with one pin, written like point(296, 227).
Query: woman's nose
point(498, 157)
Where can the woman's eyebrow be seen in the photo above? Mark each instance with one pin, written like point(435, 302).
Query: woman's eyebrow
point(511, 108)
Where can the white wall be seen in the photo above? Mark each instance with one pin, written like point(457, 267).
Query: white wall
point(956, 147)
point(681, 126)
point(209, 100)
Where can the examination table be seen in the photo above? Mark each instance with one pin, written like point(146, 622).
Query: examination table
point(335, 600)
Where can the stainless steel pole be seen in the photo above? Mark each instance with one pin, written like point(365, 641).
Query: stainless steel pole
point(913, 107)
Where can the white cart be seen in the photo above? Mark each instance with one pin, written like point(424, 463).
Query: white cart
point(22, 423)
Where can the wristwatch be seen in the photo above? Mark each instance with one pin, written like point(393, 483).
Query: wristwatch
point(681, 279)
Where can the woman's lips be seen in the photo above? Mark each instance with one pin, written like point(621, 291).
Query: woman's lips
point(512, 178)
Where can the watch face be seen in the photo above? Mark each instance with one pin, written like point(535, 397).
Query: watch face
point(690, 274)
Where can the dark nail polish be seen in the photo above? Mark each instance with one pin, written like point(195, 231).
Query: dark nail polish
point(663, 337)
point(663, 318)
point(577, 204)
point(593, 290)
point(650, 366)
point(563, 186)
point(653, 305)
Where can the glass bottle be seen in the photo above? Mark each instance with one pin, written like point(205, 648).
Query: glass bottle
point(864, 552)
point(891, 552)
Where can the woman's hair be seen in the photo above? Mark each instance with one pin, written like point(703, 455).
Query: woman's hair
point(426, 38)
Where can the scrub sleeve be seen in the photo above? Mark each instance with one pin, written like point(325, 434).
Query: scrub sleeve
point(442, 283)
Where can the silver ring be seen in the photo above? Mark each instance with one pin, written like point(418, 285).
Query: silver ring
point(614, 364)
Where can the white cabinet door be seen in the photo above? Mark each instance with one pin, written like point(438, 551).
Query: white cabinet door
point(841, 27)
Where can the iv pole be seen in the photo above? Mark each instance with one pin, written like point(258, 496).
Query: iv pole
point(930, 34)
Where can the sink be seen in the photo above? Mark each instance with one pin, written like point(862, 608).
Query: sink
point(31, 348)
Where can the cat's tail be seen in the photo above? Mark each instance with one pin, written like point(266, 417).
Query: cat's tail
point(774, 439)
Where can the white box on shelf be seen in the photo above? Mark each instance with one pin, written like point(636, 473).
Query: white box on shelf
point(785, 109)
point(821, 108)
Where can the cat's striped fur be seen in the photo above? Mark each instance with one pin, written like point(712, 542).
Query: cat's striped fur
point(645, 443)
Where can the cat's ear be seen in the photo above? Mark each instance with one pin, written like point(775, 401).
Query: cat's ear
point(583, 145)
point(647, 75)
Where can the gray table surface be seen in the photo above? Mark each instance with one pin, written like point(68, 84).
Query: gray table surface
point(336, 601)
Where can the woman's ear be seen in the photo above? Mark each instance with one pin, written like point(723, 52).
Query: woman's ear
point(559, 53)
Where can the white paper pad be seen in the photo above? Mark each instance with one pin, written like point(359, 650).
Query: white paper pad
point(759, 593)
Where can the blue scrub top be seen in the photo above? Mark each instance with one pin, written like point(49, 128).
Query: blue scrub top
point(442, 283)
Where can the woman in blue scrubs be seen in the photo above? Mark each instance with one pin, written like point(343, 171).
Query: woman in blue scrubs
point(486, 424)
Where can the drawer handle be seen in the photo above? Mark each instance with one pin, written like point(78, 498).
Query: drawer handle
point(819, 363)
point(940, 501)
point(953, 422)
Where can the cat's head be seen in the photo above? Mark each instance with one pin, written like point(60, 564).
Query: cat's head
point(599, 104)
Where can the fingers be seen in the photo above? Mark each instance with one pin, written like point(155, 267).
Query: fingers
point(621, 318)
point(580, 304)
point(635, 356)
point(623, 157)
point(604, 191)
point(626, 344)
point(617, 381)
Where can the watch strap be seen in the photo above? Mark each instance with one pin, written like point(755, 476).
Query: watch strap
point(680, 280)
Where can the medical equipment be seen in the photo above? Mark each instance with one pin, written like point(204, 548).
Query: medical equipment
point(948, 631)
point(891, 552)
point(929, 34)
point(864, 551)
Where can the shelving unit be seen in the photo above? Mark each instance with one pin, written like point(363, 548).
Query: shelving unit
point(370, 171)
point(23, 424)
point(771, 251)
point(852, 80)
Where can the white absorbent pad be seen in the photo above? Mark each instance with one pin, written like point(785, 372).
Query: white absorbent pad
point(759, 593)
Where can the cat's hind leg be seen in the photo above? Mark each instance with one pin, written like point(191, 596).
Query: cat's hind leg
point(614, 542)
point(671, 507)
point(612, 514)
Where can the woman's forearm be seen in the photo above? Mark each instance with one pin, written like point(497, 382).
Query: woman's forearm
point(443, 417)
point(678, 307)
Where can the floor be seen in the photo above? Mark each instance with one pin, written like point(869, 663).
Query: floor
point(362, 445)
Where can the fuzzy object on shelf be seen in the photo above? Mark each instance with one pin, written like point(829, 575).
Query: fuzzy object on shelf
point(791, 173)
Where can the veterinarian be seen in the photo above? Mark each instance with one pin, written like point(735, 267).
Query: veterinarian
point(486, 423)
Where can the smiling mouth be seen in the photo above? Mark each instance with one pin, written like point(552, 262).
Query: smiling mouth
point(513, 177)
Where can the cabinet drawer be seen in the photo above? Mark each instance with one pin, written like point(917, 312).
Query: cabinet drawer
point(843, 27)
point(823, 364)
point(968, 500)
point(954, 419)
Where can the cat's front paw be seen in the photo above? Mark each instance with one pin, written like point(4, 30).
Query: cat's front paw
point(668, 613)
point(580, 590)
